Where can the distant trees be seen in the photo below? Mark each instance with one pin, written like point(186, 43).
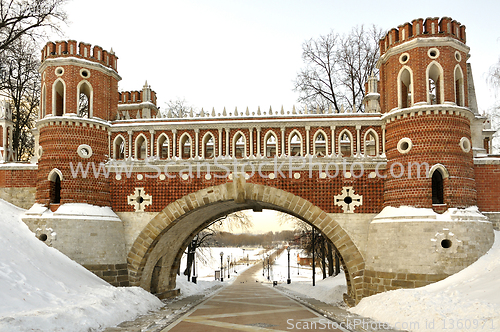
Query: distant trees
point(178, 108)
point(336, 68)
point(21, 87)
point(23, 23)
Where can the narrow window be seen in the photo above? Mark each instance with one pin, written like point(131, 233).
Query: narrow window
point(141, 148)
point(84, 101)
point(209, 146)
point(405, 99)
point(459, 87)
point(370, 145)
point(119, 148)
point(295, 145)
point(437, 188)
point(239, 146)
point(271, 146)
point(163, 147)
point(55, 189)
point(345, 145)
point(185, 147)
point(320, 145)
point(434, 85)
point(58, 101)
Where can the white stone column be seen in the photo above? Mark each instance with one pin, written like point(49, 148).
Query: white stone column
point(151, 153)
point(308, 150)
point(227, 142)
point(197, 136)
point(251, 141)
point(383, 139)
point(283, 142)
point(358, 140)
point(332, 128)
point(174, 142)
point(220, 142)
point(130, 143)
point(258, 142)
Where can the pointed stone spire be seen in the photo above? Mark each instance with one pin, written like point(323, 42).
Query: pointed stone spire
point(330, 110)
point(270, 110)
point(258, 110)
point(342, 109)
point(202, 113)
point(169, 114)
point(247, 111)
point(306, 111)
point(146, 92)
point(317, 110)
point(213, 111)
point(282, 110)
point(191, 115)
point(236, 111)
point(224, 113)
point(354, 108)
point(138, 116)
point(293, 110)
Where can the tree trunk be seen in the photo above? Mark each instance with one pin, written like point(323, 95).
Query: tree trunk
point(323, 257)
point(330, 259)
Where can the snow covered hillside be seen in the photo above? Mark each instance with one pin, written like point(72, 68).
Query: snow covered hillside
point(466, 301)
point(43, 290)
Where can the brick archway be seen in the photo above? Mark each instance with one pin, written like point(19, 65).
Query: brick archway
point(160, 245)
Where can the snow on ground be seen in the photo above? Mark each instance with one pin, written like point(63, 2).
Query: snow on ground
point(329, 290)
point(43, 290)
point(466, 301)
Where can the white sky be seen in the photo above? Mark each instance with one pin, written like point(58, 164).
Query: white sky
point(236, 53)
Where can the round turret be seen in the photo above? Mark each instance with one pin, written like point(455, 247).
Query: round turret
point(79, 97)
point(423, 80)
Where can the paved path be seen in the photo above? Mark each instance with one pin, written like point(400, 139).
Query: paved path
point(247, 305)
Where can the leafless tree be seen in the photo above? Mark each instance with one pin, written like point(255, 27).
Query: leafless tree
point(336, 69)
point(493, 79)
point(29, 18)
point(178, 108)
point(21, 86)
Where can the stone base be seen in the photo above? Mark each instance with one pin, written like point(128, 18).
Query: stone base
point(169, 294)
point(115, 274)
point(377, 282)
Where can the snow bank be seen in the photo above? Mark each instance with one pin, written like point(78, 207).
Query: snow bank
point(466, 301)
point(43, 290)
point(412, 214)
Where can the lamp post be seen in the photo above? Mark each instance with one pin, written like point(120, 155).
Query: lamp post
point(268, 266)
point(228, 267)
point(288, 281)
point(221, 267)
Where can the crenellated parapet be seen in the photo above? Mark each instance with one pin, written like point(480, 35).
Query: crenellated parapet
point(81, 50)
point(420, 28)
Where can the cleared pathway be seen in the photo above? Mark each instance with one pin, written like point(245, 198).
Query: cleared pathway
point(247, 305)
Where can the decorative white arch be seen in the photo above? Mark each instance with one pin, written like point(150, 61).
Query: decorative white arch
point(290, 136)
point(139, 140)
point(406, 79)
point(182, 140)
point(339, 141)
point(85, 87)
point(204, 141)
point(266, 137)
point(54, 95)
point(375, 135)
point(160, 141)
point(435, 72)
point(458, 79)
point(441, 168)
point(320, 131)
point(236, 137)
point(53, 173)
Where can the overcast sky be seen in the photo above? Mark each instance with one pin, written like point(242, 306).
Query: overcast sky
point(235, 53)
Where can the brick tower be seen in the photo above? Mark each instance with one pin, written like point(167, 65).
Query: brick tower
point(423, 77)
point(79, 97)
point(430, 227)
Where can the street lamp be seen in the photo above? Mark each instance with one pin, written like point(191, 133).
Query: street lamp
point(288, 281)
point(228, 267)
point(221, 267)
point(263, 264)
point(268, 266)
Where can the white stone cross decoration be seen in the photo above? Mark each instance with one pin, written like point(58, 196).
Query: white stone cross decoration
point(348, 200)
point(139, 199)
